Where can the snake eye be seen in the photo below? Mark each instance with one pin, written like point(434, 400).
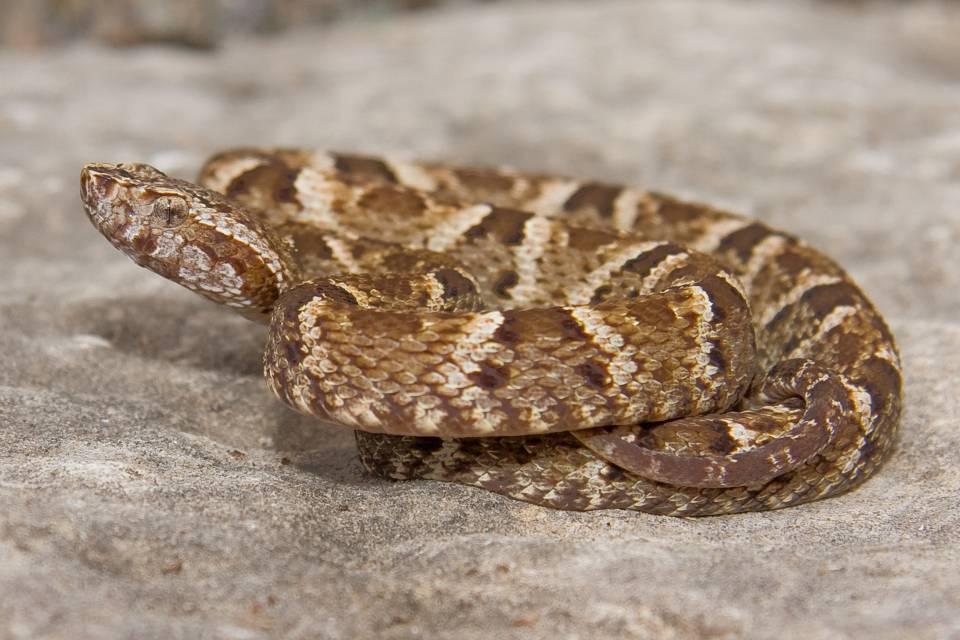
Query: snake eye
point(169, 211)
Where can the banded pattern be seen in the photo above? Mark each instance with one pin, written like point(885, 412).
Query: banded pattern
point(577, 345)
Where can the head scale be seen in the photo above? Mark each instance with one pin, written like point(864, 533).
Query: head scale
point(188, 234)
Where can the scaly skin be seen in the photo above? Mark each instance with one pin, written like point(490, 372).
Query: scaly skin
point(402, 306)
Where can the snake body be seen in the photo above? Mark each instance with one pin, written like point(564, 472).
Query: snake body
point(574, 344)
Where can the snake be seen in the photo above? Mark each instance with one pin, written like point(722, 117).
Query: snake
point(574, 344)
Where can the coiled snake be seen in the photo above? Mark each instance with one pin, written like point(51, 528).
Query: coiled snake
point(573, 344)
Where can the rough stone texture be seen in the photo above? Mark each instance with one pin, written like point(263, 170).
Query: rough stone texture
point(151, 487)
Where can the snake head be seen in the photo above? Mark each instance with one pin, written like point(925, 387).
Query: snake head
point(188, 234)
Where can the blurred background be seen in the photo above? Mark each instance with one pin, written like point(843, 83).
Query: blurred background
point(151, 487)
point(193, 23)
point(778, 109)
point(31, 24)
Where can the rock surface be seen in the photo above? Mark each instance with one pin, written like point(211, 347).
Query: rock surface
point(151, 487)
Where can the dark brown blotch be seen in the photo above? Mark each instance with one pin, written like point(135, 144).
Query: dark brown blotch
point(307, 239)
point(582, 239)
point(286, 193)
point(510, 330)
point(719, 440)
point(743, 241)
point(265, 184)
point(684, 273)
point(505, 281)
point(792, 262)
point(454, 284)
point(363, 248)
point(595, 374)
point(723, 297)
point(291, 302)
point(363, 167)
point(883, 383)
point(388, 199)
point(792, 341)
point(612, 473)
point(506, 225)
point(484, 181)
point(596, 196)
point(489, 377)
point(717, 359)
point(677, 211)
point(643, 263)
point(783, 315)
point(601, 293)
point(292, 353)
point(569, 326)
point(335, 293)
point(820, 300)
point(825, 298)
point(552, 323)
point(426, 445)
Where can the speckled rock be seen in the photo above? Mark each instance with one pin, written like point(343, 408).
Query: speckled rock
point(151, 487)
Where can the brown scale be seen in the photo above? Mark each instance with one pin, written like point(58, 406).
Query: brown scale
point(819, 416)
point(512, 376)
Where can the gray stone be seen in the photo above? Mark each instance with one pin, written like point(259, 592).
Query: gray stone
point(151, 487)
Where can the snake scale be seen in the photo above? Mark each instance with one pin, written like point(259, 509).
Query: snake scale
point(573, 344)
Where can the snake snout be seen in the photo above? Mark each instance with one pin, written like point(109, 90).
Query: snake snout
point(98, 183)
point(104, 191)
